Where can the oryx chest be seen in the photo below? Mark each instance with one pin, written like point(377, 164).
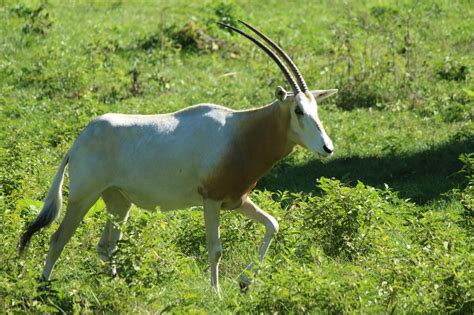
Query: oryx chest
point(256, 145)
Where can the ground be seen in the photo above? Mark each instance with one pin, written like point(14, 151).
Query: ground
point(386, 225)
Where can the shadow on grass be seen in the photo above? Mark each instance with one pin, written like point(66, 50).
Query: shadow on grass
point(421, 176)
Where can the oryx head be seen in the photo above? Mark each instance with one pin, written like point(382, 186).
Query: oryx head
point(305, 127)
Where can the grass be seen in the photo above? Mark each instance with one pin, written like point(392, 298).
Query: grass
point(384, 226)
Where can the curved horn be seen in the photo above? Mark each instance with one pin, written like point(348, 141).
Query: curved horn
point(272, 55)
point(287, 58)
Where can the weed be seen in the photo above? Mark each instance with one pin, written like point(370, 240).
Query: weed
point(21, 10)
point(39, 21)
point(194, 38)
point(452, 71)
point(151, 41)
point(359, 94)
point(227, 13)
point(135, 84)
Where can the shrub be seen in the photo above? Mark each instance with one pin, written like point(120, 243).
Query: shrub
point(452, 70)
point(39, 21)
point(193, 37)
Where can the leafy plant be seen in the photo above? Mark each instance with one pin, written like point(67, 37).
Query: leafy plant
point(452, 70)
point(227, 13)
point(194, 38)
point(39, 21)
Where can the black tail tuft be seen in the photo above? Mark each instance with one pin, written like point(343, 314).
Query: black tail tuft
point(40, 222)
point(50, 210)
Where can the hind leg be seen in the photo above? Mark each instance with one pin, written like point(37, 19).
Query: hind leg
point(74, 214)
point(118, 207)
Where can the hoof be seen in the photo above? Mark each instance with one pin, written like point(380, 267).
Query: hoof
point(219, 295)
point(43, 279)
point(113, 269)
point(46, 285)
point(244, 286)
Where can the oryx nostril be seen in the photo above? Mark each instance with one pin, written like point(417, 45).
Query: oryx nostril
point(326, 149)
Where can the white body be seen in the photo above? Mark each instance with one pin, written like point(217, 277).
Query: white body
point(203, 155)
point(156, 160)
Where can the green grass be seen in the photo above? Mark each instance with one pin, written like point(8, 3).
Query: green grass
point(384, 226)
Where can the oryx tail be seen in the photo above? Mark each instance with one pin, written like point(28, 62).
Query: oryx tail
point(52, 205)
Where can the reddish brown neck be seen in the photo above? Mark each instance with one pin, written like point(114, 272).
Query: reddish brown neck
point(261, 141)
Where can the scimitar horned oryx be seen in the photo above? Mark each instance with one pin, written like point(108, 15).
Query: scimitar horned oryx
point(202, 155)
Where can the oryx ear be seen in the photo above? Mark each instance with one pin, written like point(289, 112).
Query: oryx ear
point(322, 94)
point(281, 93)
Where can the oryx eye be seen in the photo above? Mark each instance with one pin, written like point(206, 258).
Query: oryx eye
point(298, 111)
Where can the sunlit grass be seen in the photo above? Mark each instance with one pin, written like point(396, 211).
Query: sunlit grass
point(391, 232)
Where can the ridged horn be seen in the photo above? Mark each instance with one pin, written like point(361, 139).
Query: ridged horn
point(272, 55)
point(284, 55)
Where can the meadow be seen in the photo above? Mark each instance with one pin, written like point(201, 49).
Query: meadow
point(384, 226)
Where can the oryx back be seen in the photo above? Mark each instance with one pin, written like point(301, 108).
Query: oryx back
point(154, 160)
